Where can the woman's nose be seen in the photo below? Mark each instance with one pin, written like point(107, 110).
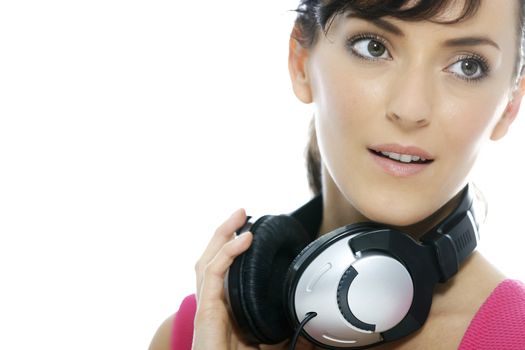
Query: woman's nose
point(407, 121)
point(411, 98)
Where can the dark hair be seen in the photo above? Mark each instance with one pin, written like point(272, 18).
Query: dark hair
point(313, 15)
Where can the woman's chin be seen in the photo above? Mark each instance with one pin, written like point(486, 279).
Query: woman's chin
point(400, 219)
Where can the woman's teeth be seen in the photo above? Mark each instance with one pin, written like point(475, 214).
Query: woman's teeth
point(405, 158)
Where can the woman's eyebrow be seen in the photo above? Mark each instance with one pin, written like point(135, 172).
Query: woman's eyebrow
point(381, 23)
point(389, 27)
point(470, 41)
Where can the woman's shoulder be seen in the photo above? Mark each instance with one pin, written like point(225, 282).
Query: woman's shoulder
point(162, 338)
point(176, 332)
point(500, 321)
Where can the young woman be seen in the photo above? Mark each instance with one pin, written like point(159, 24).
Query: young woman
point(405, 93)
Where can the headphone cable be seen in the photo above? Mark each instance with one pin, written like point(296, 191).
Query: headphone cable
point(307, 318)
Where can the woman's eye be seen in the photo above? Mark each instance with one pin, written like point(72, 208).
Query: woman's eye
point(469, 69)
point(369, 48)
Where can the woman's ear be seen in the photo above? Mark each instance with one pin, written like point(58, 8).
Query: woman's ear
point(510, 113)
point(297, 59)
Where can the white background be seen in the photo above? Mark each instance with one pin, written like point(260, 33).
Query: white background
point(129, 130)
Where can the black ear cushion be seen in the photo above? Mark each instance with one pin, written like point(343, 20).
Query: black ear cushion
point(277, 240)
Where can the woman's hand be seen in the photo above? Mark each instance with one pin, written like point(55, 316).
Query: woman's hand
point(213, 327)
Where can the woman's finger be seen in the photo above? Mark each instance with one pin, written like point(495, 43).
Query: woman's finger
point(212, 325)
point(222, 235)
point(213, 277)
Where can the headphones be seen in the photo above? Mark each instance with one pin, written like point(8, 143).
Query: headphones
point(355, 287)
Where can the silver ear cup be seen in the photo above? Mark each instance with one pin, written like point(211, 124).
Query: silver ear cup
point(379, 294)
point(367, 294)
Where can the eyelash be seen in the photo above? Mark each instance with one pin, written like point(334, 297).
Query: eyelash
point(480, 60)
point(354, 39)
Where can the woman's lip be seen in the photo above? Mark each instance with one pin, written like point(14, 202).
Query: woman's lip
point(396, 168)
point(395, 148)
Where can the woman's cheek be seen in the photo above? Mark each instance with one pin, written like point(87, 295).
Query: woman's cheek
point(465, 132)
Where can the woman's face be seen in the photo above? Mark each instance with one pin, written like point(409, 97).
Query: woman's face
point(411, 90)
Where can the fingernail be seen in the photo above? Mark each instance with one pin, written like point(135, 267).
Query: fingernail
point(242, 235)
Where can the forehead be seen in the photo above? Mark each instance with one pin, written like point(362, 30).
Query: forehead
point(452, 10)
point(507, 10)
point(496, 17)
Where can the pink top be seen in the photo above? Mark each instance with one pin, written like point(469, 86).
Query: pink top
point(498, 324)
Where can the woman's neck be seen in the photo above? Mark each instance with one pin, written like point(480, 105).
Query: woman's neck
point(338, 211)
